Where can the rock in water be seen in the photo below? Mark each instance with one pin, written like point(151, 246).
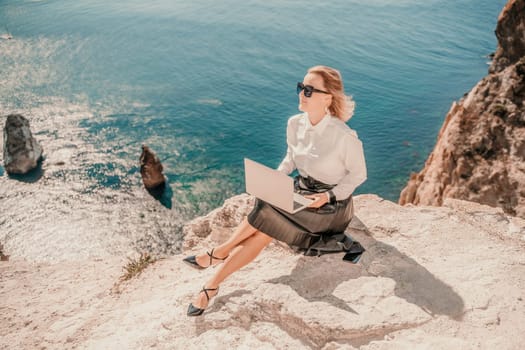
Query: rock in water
point(151, 169)
point(21, 150)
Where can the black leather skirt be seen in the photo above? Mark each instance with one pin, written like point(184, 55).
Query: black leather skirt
point(307, 226)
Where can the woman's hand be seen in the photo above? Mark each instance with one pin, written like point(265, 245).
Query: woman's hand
point(320, 199)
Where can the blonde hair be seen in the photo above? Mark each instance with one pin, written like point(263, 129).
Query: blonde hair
point(342, 106)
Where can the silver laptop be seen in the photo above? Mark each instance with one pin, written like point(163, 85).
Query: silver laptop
point(273, 186)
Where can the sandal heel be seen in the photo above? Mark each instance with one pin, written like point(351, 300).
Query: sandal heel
point(195, 311)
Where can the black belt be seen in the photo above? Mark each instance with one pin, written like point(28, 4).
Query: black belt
point(312, 185)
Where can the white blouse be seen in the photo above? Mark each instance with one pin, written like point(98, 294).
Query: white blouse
point(329, 152)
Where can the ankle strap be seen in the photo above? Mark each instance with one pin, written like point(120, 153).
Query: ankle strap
point(205, 290)
point(210, 254)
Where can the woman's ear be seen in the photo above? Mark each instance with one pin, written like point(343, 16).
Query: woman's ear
point(328, 99)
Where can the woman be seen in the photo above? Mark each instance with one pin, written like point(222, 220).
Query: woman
point(330, 161)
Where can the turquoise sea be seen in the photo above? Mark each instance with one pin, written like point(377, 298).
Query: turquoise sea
point(205, 83)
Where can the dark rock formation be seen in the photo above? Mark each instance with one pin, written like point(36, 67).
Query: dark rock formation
point(3, 257)
point(480, 152)
point(21, 151)
point(151, 169)
point(510, 32)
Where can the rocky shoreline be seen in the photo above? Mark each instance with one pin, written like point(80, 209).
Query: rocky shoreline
point(107, 222)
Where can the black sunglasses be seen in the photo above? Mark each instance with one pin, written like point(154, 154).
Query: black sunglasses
point(308, 90)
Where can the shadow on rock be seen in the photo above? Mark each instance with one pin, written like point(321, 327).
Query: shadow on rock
point(414, 283)
point(31, 176)
point(163, 193)
point(312, 282)
point(243, 317)
point(219, 301)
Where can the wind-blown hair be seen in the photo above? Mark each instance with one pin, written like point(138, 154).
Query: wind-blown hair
point(342, 106)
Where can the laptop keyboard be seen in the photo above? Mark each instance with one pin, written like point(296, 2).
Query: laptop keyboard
point(297, 205)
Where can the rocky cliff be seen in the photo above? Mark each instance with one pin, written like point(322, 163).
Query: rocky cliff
point(449, 277)
point(480, 151)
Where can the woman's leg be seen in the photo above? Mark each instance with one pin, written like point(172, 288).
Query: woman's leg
point(242, 232)
point(246, 252)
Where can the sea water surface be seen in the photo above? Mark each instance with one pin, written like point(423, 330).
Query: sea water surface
point(206, 83)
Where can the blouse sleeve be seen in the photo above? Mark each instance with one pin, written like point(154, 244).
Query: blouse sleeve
point(287, 164)
point(354, 161)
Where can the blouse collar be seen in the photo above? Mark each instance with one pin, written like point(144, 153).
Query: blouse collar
point(319, 127)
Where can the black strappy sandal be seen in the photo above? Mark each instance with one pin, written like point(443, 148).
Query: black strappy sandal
point(192, 260)
point(195, 311)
